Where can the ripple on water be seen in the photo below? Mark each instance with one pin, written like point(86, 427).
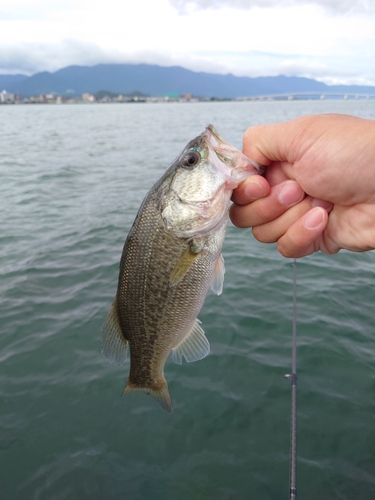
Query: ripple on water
point(68, 199)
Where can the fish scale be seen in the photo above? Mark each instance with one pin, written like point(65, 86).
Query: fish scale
point(171, 257)
point(150, 305)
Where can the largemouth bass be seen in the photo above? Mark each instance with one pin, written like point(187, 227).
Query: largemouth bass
point(171, 257)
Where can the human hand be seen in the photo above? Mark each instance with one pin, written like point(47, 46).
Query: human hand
point(318, 192)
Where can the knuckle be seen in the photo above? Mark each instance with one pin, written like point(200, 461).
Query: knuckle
point(293, 249)
point(237, 217)
point(263, 235)
point(285, 251)
point(263, 211)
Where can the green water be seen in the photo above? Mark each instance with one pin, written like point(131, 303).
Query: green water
point(72, 179)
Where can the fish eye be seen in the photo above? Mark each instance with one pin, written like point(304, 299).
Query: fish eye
point(191, 159)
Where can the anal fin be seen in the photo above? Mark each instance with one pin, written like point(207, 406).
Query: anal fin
point(193, 347)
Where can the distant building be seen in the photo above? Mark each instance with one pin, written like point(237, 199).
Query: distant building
point(6, 97)
point(172, 97)
point(88, 97)
point(186, 97)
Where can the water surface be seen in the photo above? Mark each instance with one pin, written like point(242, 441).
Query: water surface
point(72, 179)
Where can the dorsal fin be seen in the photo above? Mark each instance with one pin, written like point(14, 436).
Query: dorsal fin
point(114, 343)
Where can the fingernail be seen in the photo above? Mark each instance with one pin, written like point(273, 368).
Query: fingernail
point(314, 218)
point(255, 190)
point(290, 193)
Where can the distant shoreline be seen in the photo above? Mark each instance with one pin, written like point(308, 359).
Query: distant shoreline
point(14, 99)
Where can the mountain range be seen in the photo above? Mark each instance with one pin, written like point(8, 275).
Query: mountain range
point(155, 80)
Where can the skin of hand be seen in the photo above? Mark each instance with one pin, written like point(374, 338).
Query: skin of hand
point(318, 192)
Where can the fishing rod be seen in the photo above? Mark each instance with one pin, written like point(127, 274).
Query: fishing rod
point(293, 378)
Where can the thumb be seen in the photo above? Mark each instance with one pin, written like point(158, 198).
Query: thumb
point(273, 142)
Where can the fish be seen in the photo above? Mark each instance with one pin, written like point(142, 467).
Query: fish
point(171, 258)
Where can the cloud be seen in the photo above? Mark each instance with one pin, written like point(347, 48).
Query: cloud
point(316, 70)
point(31, 58)
point(332, 6)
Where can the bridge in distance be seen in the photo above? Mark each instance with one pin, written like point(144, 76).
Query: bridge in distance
point(290, 96)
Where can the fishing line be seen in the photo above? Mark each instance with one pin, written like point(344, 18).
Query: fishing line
point(293, 378)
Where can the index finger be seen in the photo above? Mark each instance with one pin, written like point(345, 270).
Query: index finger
point(251, 189)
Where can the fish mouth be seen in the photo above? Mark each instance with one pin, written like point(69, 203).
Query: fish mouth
point(229, 167)
point(232, 163)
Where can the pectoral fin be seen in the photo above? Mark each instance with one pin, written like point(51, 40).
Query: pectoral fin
point(186, 260)
point(218, 276)
point(114, 343)
point(193, 347)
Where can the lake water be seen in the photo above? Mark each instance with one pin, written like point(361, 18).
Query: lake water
point(72, 179)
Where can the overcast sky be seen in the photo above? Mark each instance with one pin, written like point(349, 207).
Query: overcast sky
point(329, 40)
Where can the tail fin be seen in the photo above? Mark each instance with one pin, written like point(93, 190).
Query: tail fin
point(160, 393)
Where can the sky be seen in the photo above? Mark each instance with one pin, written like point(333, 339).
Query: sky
point(332, 41)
